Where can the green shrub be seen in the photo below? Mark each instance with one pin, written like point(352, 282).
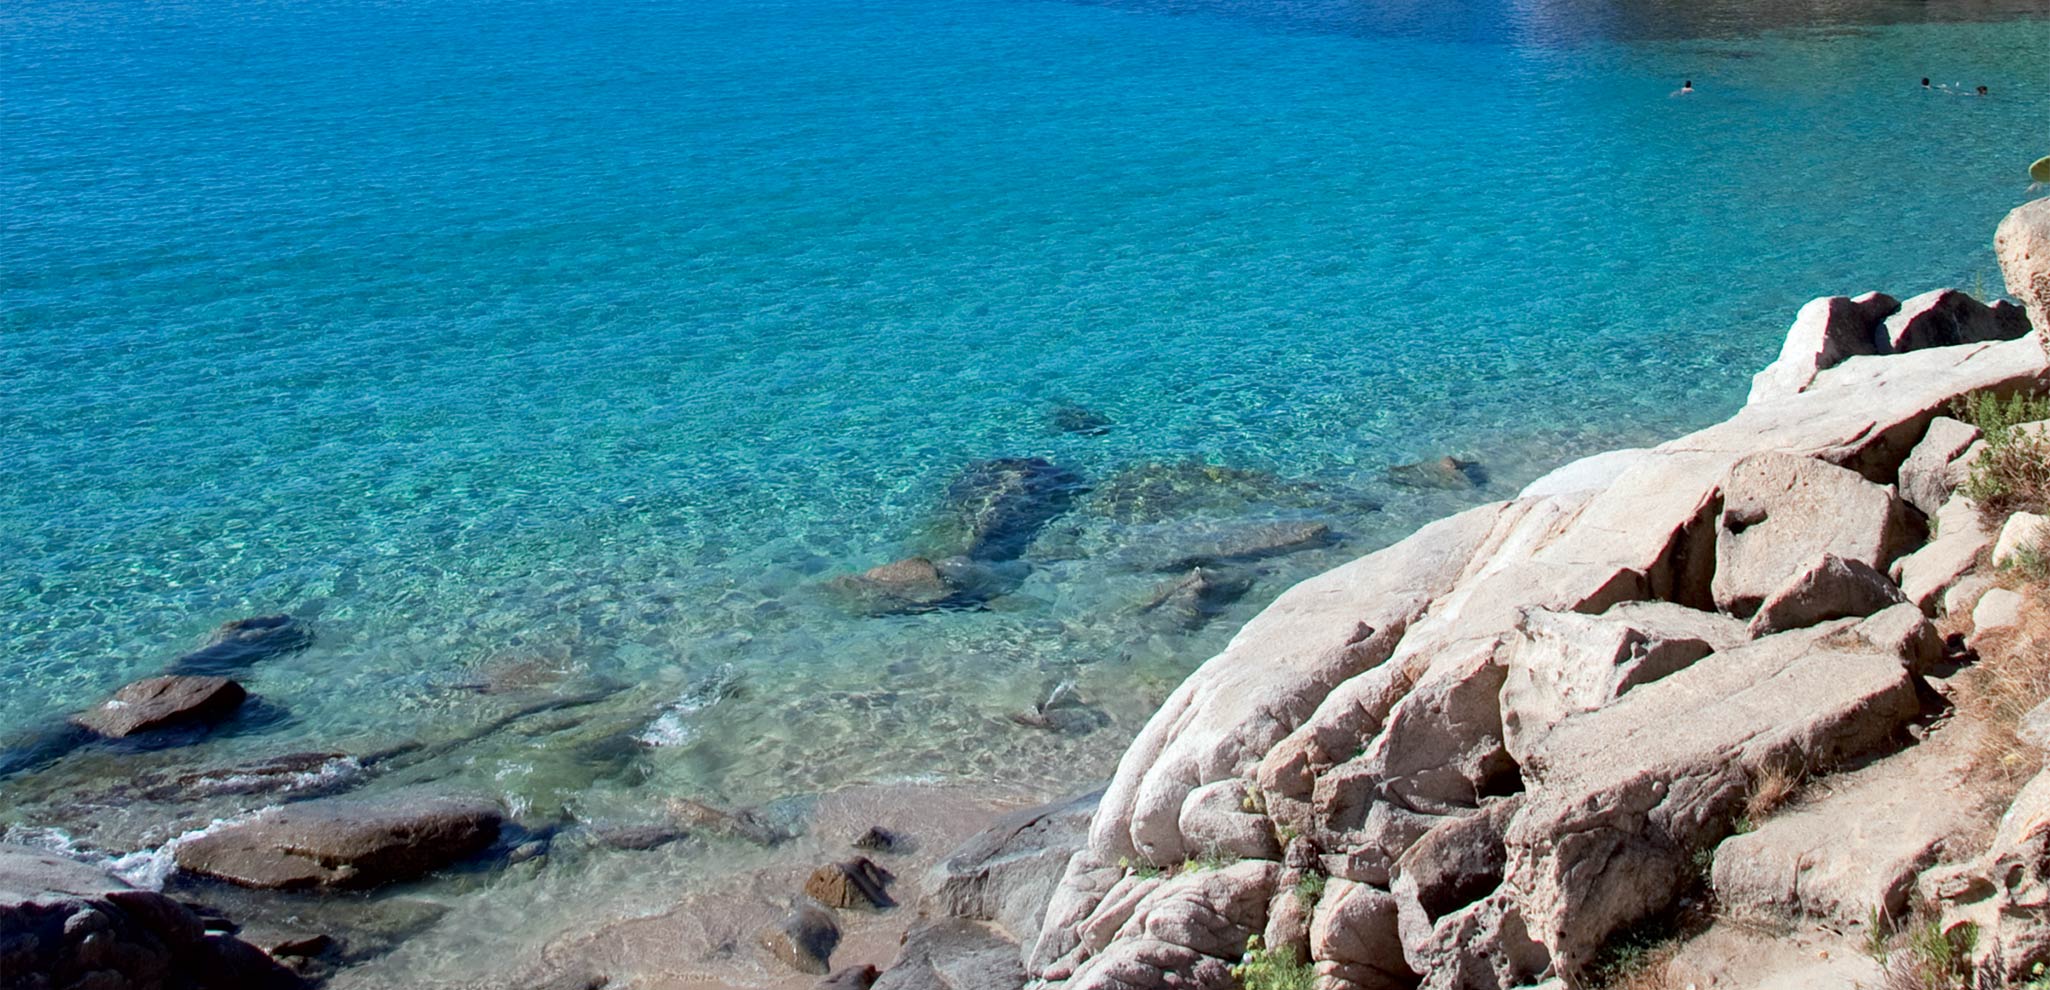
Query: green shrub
point(1929, 958)
point(2013, 474)
point(1278, 968)
point(1310, 889)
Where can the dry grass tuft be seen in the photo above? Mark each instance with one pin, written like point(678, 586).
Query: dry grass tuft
point(2011, 677)
point(1772, 786)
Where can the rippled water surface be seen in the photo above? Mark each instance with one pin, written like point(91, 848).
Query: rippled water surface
point(548, 352)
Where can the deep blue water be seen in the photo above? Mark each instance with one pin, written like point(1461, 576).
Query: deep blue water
point(596, 336)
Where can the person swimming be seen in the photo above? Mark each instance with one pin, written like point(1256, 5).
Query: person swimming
point(1685, 88)
point(1925, 83)
point(1982, 91)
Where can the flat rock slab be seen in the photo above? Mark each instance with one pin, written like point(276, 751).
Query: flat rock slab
point(349, 842)
point(1622, 798)
point(1858, 843)
point(162, 703)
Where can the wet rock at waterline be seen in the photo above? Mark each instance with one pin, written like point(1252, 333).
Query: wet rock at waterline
point(742, 823)
point(1080, 420)
point(804, 939)
point(1443, 473)
point(860, 977)
point(877, 839)
point(952, 954)
point(344, 843)
point(856, 883)
point(238, 644)
point(161, 703)
point(996, 508)
point(64, 924)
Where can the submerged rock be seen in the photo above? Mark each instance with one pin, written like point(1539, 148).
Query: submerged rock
point(161, 703)
point(242, 642)
point(1444, 473)
point(996, 508)
point(1245, 544)
point(1080, 421)
point(920, 584)
point(1199, 596)
point(345, 842)
point(66, 924)
point(1152, 491)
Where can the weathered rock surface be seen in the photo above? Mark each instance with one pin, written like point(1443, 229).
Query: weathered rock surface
point(1856, 842)
point(344, 842)
point(1354, 936)
point(1782, 512)
point(1834, 588)
point(1997, 609)
point(953, 954)
point(1625, 796)
point(1946, 318)
point(1183, 931)
point(161, 703)
point(1932, 471)
point(1825, 332)
point(2025, 533)
point(64, 924)
point(1007, 873)
point(2022, 243)
point(1563, 663)
point(1458, 929)
point(1959, 542)
point(241, 643)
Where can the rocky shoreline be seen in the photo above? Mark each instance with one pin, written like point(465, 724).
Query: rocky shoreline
point(1486, 756)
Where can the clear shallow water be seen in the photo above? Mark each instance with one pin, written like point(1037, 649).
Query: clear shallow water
point(589, 340)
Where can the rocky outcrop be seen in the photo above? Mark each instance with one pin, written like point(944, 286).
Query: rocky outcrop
point(161, 703)
point(64, 924)
point(804, 938)
point(2022, 244)
point(1526, 728)
point(1825, 332)
point(337, 843)
point(953, 954)
point(1445, 473)
point(1946, 318)
point(1007, 872)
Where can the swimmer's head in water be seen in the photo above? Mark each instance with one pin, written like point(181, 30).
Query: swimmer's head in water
point(1982, 91)
point(1925, 82)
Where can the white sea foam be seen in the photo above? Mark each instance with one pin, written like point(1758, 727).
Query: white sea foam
point(148, 868)
point(676, 725)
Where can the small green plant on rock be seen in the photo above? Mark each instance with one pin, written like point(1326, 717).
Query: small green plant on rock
point(1142, 870)
point(1310, 889)
point(1926, 957)
point(1211, 859)
point(1262, 968)
point(2013, 473)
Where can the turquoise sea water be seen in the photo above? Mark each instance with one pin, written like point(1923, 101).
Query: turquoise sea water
point(588, 341)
